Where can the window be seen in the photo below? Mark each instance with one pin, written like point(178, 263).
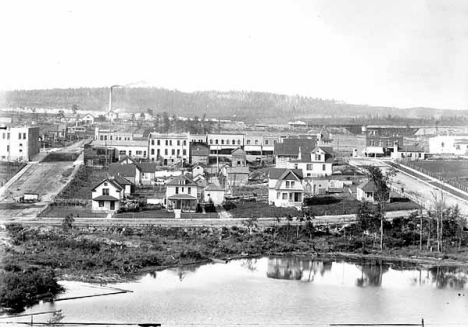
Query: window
point(4, 135)
point(222, 141)
point(129, 152)
point(105, 191)
point(256, 142)
point(189, 190)
point(310, 167)
point(21, 144)
point(183, 189)
point(211, 141)
point(159, 152)
point(248, 142)
point(158, 142)
point(178, 152)
point(323, 167)
point(184, 152)
point(152, 152)
point(19, 136)
point(8, 136)
point(185, 142)
point(152, 142)
point(238, 142)
point(442, 144)
point(8, 148)
point(216, 141)
point(318, 157)
point(178, 142)
point(177, 190)
point(165, 152)
point(167, 142)
point(173, 152)
point(292, 184)
point(170, 142)
point(285, 196)
point(20, 150)
point(139, 153)
point(101, 203)
point(287, 184)
point(122, 152)
point(266, 142)
point(278, 195)
point(144, 153)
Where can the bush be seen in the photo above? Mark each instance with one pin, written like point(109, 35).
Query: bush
point(229, 205)
point(23, 288)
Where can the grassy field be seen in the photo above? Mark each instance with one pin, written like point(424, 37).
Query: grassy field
point(322, 206)
point(451, 169)
point(76, 211)
point(8, 170)
point(81, 185)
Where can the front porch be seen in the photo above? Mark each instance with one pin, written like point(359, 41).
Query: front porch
point(184, 202)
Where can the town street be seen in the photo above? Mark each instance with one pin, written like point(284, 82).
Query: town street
point(414, 186)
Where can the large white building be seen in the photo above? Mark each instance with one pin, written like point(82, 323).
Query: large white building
point(449, 145)
point(168, 148)
point(19, 143)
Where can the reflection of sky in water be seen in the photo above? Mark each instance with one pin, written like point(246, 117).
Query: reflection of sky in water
point(241, 292)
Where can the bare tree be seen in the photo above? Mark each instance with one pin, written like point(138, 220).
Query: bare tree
point(439, 206)
point(382, 192)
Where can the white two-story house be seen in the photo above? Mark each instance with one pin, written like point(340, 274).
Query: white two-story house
point(317, 163)
point(285, 187)
point(106, 195)
point(181, 194)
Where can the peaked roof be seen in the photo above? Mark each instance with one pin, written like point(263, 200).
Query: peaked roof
point(238, 151)
point(124, 158)
point(367, 186)
point(111, 181)
point(123, 170)
point(291, 147)
point(326, 149)
point(122, 180)
point(411, 148)
point(277, 173)
point(182, 180)
point(147, 167)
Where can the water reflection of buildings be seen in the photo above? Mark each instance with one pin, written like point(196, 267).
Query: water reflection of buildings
point(296, 268)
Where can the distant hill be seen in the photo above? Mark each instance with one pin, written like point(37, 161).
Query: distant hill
point(254, 106)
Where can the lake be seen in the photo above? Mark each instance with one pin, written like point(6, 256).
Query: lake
point(276, 291)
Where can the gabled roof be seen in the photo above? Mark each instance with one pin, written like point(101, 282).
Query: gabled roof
point(181, 180)
point(116, 169)
point(288, 175)
point(111, 181)
point(105, 198)
point(238, 151)
point(124, 158)
point(290, 147)
point(147, 167)
point(276, 173)
point(122, 180)
point(326, 149)
point(214, 187)
point(367, 186)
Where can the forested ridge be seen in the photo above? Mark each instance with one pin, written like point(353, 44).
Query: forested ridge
point(240, 104)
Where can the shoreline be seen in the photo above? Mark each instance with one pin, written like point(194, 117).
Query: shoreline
point(414, 262)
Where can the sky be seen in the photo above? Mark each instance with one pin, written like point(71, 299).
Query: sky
point(379, 52)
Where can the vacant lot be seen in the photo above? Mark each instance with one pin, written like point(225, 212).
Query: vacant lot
point(76, 211)
point(8, 170)
point(81, 185)
point(456, 170)
point(45, 179)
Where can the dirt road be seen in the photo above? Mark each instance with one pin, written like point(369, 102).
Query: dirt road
point(44, 178)
point(414, 186)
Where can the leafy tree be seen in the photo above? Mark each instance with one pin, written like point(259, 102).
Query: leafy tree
point(367, 221)
point(67, 222)
point(381, 194)
point(74, 108)
point(439, 206)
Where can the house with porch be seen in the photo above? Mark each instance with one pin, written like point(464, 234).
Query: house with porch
point(285, 187)
point(409, 152)
point(107, 195)
point(181, 194)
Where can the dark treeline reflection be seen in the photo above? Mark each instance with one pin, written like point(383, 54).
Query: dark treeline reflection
point(371, 274)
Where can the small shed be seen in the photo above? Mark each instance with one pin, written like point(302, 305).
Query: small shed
point(214, 193)
point(239, 158)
